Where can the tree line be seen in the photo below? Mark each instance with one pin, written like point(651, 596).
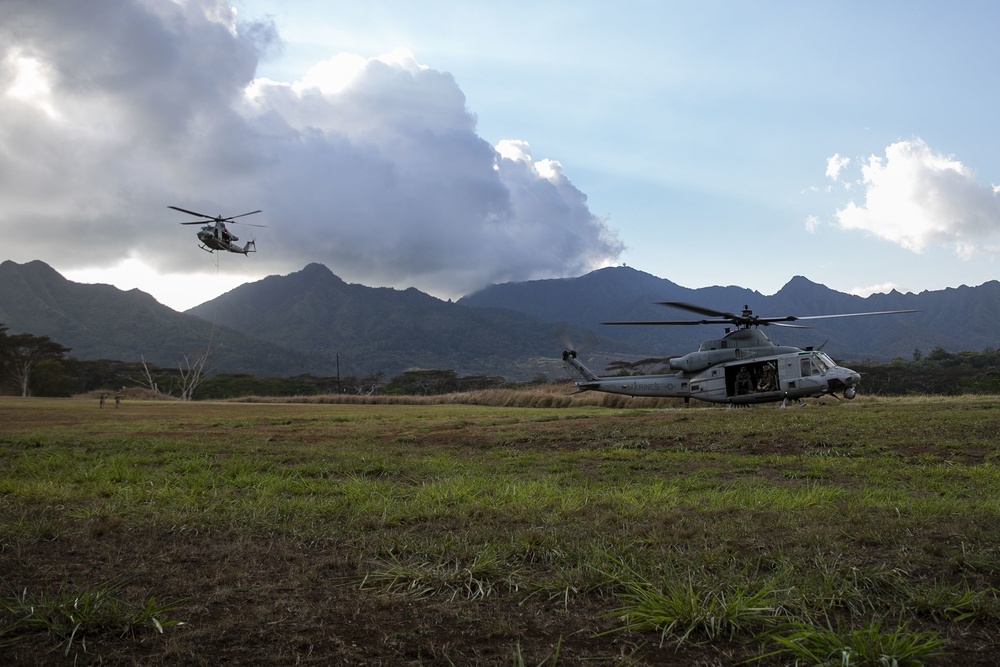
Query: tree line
point(33, 365)
point(409, 383)
point(938, 372)
point(38, 366)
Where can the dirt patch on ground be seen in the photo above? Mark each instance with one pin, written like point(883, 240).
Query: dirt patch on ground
point(264, 601)
point(247, 600)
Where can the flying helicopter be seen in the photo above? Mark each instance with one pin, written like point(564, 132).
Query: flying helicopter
point(742, 368)
point(216, 236)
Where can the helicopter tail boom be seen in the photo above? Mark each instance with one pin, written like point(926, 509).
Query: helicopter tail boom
point(675, 386)
point(245, 250)
point(570, 361)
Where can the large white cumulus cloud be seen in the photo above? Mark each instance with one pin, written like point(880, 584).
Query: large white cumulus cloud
point(916, 198)
point(372, 166)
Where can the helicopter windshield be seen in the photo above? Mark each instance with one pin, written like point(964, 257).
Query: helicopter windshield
point(823, 360)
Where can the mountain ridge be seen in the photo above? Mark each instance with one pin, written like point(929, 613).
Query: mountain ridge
point(308, 320)
point(103, 322)
point(944, 319)
point(313, 309)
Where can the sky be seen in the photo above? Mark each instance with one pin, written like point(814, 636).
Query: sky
point(450, 145)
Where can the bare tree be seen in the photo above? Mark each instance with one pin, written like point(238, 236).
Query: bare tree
point(366, 386)
point(147, 377)
point(191, 373)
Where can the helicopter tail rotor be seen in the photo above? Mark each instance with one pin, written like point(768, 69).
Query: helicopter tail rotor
point(564, 335)
point(570, 361)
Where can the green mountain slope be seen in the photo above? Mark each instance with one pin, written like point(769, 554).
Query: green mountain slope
point(104, 322)
point(303, 322)
point(964, 318)
point(382, 329)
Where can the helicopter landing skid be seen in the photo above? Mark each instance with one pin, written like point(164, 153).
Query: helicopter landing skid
point(801, 404)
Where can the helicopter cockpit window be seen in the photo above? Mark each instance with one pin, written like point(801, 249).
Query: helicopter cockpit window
point(817, 363)
point(823, 360)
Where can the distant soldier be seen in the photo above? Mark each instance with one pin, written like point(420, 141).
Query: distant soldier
point(768, 381)
point(118, 400)
point(744, 383)
point(102, 397)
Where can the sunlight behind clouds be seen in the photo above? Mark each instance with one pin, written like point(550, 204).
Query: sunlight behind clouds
point(520, 151)
point(371, 165)
point(393, 172)
point(179, 291)
point(334, 75)
point(29, 81)
point(514, 150)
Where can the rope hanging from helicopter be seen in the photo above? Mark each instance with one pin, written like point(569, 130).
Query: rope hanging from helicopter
point(217, 260)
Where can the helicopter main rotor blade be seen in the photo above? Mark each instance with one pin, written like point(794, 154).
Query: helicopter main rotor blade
point(698, 309)
point(880, 312)
point(196, 222)
point(248, 224)
point(747, 319)
point(774, 320)
point(739, 320)
point(672, 322)
point(184, 210)
point(242, 214)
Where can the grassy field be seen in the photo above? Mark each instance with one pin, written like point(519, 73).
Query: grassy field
point(850, 533)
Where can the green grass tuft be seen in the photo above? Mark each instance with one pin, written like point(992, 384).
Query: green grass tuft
point(872, 645)
point(72, 617)
point(682, 609)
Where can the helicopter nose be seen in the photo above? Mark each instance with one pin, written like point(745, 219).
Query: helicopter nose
point(842, 379)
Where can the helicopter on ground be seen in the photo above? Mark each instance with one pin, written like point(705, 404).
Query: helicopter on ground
point(741, 368)
point(216, 236)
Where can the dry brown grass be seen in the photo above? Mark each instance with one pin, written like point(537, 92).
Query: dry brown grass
point(536, 396)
